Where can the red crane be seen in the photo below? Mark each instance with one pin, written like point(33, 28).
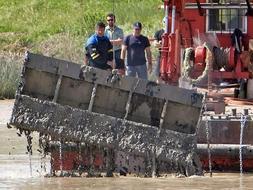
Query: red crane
point(223, 63)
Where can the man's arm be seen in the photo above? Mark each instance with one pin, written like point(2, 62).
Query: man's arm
point(123, 52)
point(110, 51)
point(110, 55)
point(116, 42)
point(149, 58)
point(119, 40)
point(86, 59)
point(93, 52)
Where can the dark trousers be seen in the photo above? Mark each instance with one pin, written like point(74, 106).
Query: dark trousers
point(119, 63)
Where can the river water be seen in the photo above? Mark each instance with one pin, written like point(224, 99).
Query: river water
point(16, 173)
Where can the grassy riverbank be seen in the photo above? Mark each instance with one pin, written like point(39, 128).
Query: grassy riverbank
point(10, 65)
point(59, 28)
point(28, 23)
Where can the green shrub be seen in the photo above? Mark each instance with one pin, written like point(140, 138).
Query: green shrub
point(9, 75)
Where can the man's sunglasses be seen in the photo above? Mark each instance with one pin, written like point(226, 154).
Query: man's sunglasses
point(109, 20)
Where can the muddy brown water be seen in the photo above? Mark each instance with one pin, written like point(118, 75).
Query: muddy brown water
point(15, 171)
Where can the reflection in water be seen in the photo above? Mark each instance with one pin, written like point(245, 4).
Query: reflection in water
point(20, 167)
point(218, 181)
point(15, 173)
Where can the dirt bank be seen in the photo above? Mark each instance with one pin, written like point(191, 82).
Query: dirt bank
point(5, 111)
point(12, 144)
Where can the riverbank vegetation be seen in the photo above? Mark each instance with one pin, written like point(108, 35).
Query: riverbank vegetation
point(59, 28)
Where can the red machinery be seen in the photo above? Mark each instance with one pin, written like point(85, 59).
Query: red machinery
point(179, 34)
point(170, 65)
point(213, 63)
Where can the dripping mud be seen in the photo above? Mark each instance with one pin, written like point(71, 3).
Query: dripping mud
point(82, 143)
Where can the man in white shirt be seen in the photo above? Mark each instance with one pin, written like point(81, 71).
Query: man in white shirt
point(115, 35)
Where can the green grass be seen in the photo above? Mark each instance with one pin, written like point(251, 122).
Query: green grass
point(9, 75)
point(58, 28)
point(33, 21)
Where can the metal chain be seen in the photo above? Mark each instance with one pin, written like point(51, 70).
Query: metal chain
point(243, 122)
point(202, 111)
point(208, 148)
point(202, 114)
point(61, 157)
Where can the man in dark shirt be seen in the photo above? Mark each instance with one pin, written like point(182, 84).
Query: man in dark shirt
point(99, 49)
point(236, 39)
point(136, 45)
point(158, 44)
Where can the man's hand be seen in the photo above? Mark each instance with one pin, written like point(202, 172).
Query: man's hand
point(116, 42)
point(157, 44)
point(149, 59)
point(111, 63)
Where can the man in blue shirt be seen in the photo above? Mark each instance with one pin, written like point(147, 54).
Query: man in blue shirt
point(99, 49)
point(136, 45)
point(115, 35)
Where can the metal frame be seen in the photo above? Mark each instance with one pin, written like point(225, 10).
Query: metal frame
point(209, 6)
point(245, 25)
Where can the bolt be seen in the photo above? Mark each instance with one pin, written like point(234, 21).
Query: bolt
point(234, 111)
point(246, 111)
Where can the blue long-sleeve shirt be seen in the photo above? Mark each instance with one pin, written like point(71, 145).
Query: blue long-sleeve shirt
point(99, 51)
